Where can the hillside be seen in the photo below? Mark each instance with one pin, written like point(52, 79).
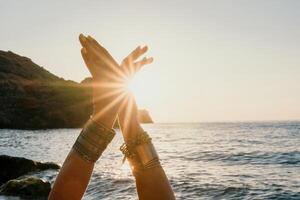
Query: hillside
point(33, 98)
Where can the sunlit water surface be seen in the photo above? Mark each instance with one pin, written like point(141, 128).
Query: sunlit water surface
point(202, 160)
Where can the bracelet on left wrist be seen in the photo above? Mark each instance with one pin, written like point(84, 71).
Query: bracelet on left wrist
point(93, 140)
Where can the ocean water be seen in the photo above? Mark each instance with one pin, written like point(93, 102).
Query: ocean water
point(253, 160)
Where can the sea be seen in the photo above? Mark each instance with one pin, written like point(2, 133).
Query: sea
point(223, 160)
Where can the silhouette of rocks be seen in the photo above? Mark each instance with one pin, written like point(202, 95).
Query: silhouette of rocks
point(13, 167)
point(28, 187)
point(33, 98)
point(144, 116)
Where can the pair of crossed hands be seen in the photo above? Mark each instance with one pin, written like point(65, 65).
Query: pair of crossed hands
point(111, 99)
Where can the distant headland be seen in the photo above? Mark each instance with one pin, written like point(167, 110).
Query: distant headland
point(33, 98)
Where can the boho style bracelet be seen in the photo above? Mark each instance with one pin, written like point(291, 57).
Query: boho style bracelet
point(93, 140)
point(140, 152)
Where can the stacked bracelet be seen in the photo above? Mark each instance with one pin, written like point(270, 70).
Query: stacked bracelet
point(140, 152)
point(93, 140)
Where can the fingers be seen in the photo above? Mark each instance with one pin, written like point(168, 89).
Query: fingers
point(135, 54)
point(95, 45)
point(100, 57)
point(130, 66)
point(92, 44)
point(90, 47)
point(87, 60)
point(83, 40)
point(138, 65)
point(88, 41)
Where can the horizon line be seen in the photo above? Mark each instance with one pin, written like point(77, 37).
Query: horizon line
point(225, 121)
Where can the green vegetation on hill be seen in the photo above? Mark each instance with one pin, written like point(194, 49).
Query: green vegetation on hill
point(33, 98)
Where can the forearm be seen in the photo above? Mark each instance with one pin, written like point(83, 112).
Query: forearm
point(153, 184)
point(73, 178)
point(75, 174)
point(151, 180)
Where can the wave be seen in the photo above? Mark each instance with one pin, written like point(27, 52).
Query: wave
point(255, 157)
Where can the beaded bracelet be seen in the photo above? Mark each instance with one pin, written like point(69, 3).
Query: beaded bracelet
point(140, 152)
point(93, 140)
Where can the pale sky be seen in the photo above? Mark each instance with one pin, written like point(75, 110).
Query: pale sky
point(214, 60)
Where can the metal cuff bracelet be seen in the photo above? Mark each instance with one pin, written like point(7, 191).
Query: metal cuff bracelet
point(93, 140)
point(141, 153)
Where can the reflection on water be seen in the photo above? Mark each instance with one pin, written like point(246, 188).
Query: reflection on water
point(203, 161)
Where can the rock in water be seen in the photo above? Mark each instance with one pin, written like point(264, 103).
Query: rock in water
point(13, 167)
point(28, 187)
point(144, 117)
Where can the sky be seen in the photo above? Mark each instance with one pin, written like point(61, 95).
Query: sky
point(214, 60)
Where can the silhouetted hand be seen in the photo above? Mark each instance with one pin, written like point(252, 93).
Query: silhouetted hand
point(102, 67)
point(128, 113)
point(109, 77)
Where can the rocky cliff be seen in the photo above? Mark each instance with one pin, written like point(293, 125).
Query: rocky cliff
point(33, 98)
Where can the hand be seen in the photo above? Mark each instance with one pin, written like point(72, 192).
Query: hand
point(128, 113)
point(106, 88)
point(108, 77)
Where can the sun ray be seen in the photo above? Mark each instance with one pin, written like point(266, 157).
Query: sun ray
point(117, 74)
point(108, 94)
point(127, 115)
point(122, 111)
point(109, 106)
point(108, 85)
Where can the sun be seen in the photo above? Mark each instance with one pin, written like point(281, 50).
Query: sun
point(144, 88)
point(130, 85)
point(138, 87)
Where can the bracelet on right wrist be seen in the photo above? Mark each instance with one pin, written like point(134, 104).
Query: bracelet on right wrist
point(140, 152)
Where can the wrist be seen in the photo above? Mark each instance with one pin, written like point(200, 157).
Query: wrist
point(105, 112)
point(93, 140)
point(140, 152)
point(132, 131)
point(106, 121)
